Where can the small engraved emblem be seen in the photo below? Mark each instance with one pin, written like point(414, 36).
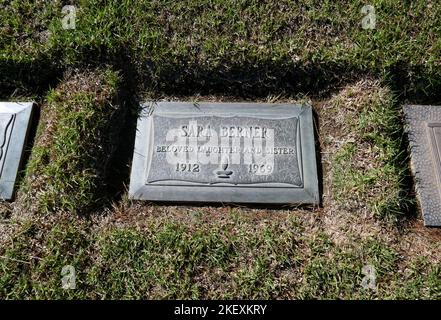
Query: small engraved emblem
point(223, 172)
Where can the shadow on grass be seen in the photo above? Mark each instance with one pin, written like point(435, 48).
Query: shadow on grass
point(117, 179)
point(28, 78)
point(414, 84)
point(248, 81)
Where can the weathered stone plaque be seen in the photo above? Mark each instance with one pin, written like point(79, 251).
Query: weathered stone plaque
point(424, 132)
point(225, 152)
point(14, 124)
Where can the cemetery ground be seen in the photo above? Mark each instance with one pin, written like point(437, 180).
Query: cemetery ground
point(71, 206)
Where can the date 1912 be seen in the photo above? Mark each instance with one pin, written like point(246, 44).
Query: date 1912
point(187, 167)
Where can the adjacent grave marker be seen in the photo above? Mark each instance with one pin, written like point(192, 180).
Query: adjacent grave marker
point(424, 133)
point(14, 124)
point(225, 152)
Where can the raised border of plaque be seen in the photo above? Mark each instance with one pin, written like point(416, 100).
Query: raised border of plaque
point(14, 126)
point(424, 133)
point(150, 182)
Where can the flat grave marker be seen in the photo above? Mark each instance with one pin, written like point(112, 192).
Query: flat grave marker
point(225, 152)
point(424, 132)
point(14, 125)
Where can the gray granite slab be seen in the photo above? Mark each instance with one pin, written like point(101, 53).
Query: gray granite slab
point(14, 125)
point(424, 132)
point(225, 152)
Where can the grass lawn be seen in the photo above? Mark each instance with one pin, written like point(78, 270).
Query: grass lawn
point(72, 207)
